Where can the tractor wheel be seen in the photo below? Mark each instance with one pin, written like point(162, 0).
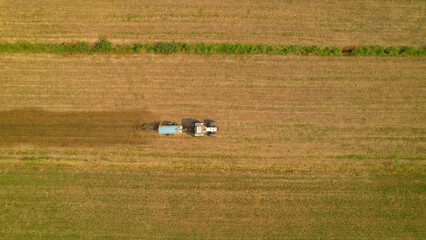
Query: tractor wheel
point(212, 135)
point(212, 124)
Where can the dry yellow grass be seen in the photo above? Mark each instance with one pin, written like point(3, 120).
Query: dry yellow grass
point(320, 22)
point(280, 113)
point(308, 147)
point(56, 201)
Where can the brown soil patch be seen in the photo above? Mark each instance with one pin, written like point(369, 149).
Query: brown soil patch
point(46, 128)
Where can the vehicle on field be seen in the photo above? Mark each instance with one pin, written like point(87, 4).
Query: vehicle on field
point(169, 128)
point(208, 127)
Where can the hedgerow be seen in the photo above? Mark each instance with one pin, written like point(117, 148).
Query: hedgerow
point(105, 46)
point(387, 51)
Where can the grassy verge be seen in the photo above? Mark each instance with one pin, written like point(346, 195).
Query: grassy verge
point(104, 46)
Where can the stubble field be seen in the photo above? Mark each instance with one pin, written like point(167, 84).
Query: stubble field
point(321, 22)
point(308, 146)
point(304, 144)
point(275, 112)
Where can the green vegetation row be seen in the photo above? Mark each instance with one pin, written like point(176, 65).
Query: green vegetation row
point(105, 46)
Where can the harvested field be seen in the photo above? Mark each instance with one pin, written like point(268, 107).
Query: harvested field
point(92, 201)
point(309, 147)
point(275, 113)
point(326, 22)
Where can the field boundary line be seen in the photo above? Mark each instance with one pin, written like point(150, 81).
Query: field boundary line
point(106, 47)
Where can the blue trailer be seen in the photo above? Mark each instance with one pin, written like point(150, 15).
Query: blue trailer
point(169, 128)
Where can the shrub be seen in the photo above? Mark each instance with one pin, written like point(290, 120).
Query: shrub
point(123, 49)
point(69, 48)
point(26, 47)
point(137, 48)
point(103, 46)
point(253, 49)
point(60, 48)
point(334, 51)
point(361, 51)
point(314, 50)
point(378, 51)
point(82, 47)
point(322, 51)
point(202, 48)
point(149, 48)
point(166, 48)
point(223, 48)
point(236, 48)
point(267, 49)
point(411, 51)
point(284, 50)
point(386, 51)
point(187, 48)
point(391, 51)
point(8, 47)
point(296, 49)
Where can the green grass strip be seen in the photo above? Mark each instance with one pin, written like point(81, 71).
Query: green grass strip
point(105, 46)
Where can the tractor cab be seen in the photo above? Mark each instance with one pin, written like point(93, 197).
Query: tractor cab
point(208, 127)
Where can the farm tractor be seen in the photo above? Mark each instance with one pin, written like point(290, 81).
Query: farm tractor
point(195, 128)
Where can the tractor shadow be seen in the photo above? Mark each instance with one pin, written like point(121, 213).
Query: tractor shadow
point(147, 126)
point(187, 125)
